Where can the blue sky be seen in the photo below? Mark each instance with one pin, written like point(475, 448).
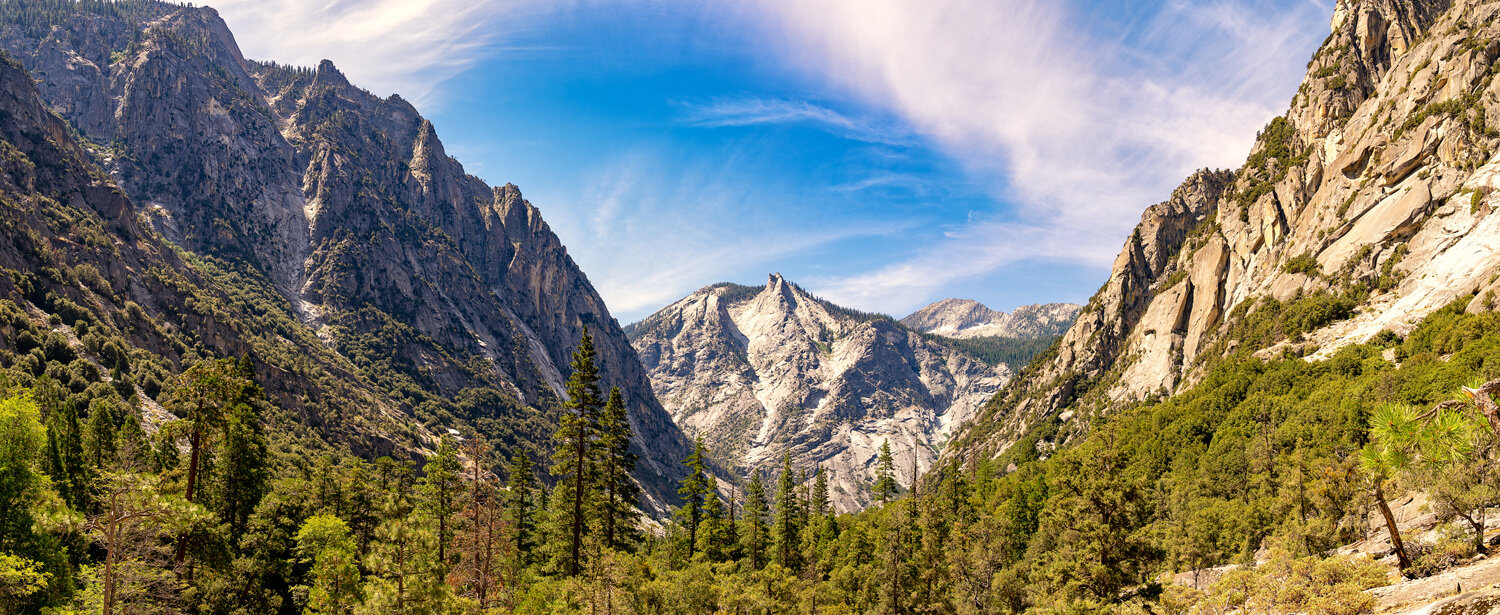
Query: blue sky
point(883, 153)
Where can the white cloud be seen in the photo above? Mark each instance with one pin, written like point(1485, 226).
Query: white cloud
point(653, 226)
point(386, 46)
point(1084, 130)
point(756, 111)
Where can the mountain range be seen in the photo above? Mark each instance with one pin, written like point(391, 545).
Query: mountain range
point(966, 318)
point(759, 372)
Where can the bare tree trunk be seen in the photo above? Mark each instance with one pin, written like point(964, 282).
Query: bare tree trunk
point(578, 508)
point(1390, 523)
point(192, 483)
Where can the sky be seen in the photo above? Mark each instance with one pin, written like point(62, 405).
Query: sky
point(884, 154)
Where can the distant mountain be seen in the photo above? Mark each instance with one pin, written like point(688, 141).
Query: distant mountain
point(761, 370)
point(966, 318)
point(447, 304)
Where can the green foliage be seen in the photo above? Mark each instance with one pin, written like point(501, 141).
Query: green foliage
point(696, 489)
point(1012, 352)
point(1333, 586)
point(1276, 152)
point(885, 487)
point(573, 457)
point(618, 493)
point(324, 543)
point(1304, 264)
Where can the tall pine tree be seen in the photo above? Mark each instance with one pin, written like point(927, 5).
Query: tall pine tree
point(523, 501)
point(441, 493)
point(885, 475)
point(753, 534)
point(577, 438)
point(619, 492)
point(787, 528)
point(695, 491)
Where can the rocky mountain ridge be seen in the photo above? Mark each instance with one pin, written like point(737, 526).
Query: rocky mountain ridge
point(452, 299)
point(966, 318)
point(757, 371)
point(1367, 206)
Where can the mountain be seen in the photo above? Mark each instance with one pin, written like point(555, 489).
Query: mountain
point(1367, 206)
point(448, 302)
point(759, 371)
point(966, 318)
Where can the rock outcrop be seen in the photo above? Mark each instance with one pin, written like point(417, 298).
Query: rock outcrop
point(453, 297)
point(966, 318)
point(760, 371)
point(1363, 209)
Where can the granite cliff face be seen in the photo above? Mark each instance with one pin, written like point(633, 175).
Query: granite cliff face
point(453, 298)
point(757, 371)
point(1366, 207)
point(966, 318)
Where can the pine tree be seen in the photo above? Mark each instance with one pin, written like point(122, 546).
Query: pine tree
point(202, 393)
point(620, 493)
point(99, 435)
point(885, 475)
point(440, 493)
point(65, 459)
point(576, 438)
point(325, 543)
point(787, 527)
point(820, 505)
point(714, 540)
point(241, 471)
point(523, 501)
point(753, 533)
point(695, 491)
point(404, 569)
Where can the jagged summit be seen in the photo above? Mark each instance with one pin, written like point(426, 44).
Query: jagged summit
point(761, 370)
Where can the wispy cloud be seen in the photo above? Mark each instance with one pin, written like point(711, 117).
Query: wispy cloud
point(1082, 128)
point(387, 46)
point(652, 226)
point(760, 111)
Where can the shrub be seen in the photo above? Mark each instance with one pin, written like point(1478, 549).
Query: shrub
point(1304, 264)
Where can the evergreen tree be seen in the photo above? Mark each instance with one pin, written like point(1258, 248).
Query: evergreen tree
point(787, 527)
point(241, 470)
point(523, 501)
point(714, 540)
point(696, 489)
point(620, 493)
point(754, 534)
point(885, 475)
point(404, 569)
point(99, 434)
point(440, 493)
point(65, 458)
point(820, 505)
point(201, 394)
point(577, 440)
point(324, 542)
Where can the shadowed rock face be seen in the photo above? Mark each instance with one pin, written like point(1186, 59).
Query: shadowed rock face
point(348, 205)
point(964, 318)
point(1376, 186)
point(761, 371)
